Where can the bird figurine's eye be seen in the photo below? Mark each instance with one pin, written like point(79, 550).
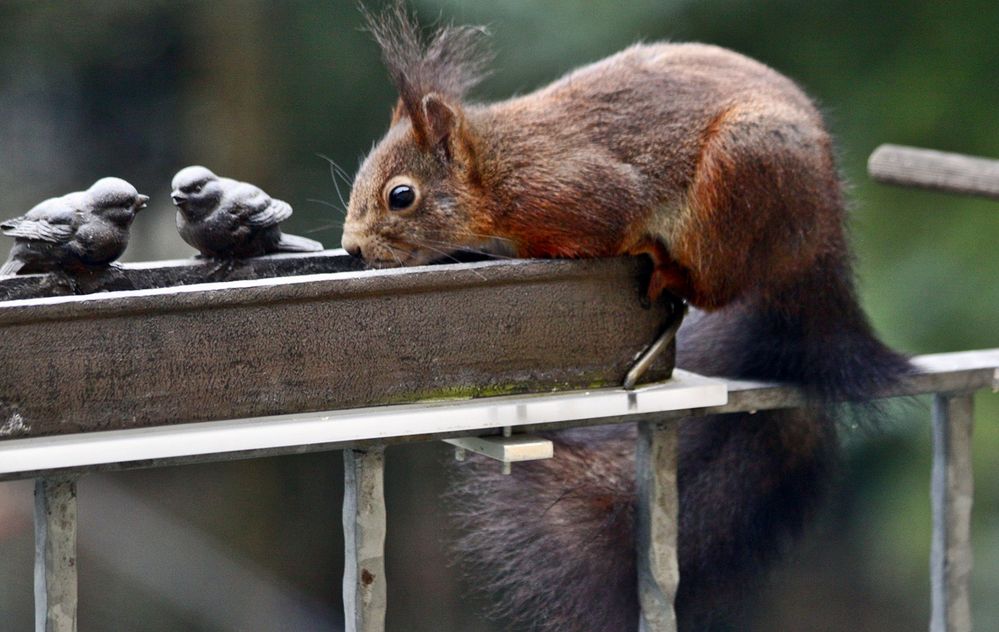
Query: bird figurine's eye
point(401, 197)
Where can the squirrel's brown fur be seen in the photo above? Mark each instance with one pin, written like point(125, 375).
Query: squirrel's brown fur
point(720, 170)
point(673, 150)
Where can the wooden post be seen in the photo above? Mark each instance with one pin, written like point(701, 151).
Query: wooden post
point(364, 586)
point(935, 170)
point(951, 489)
point(55, 554)
point(658, 514)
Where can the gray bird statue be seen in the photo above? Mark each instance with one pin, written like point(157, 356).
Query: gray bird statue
point(85, 230)
point(225, 218)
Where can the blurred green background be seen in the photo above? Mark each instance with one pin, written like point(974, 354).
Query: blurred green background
point(256, 90)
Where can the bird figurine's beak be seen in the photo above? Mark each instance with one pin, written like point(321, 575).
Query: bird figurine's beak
point(143, 202)
point(178, 198)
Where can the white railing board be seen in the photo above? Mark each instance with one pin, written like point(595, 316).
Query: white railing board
point(20, 458)
point(956, 372)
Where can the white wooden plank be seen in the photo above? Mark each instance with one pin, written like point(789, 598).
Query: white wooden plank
point(38, 454)
point(507, 449)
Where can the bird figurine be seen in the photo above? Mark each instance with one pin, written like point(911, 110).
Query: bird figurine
point(80, 231)
point(225, 219)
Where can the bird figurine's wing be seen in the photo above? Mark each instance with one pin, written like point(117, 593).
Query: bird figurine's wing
point(275, 213)
point(49, 221)
point(257, 209)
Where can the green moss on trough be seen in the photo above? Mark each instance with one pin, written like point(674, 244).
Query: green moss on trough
point(459, 393)
point(468, 392)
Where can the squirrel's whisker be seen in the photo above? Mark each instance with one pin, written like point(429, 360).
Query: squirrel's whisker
point(329, 204)
point(475, 251)
point(392, 251)
point(486, 236)
point(452, 258)
point(458, 246)
point(333, 175)
point(346, 177)
point(323, 227)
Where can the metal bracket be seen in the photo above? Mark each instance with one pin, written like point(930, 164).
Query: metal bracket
point(506, 449)
point(656, 349)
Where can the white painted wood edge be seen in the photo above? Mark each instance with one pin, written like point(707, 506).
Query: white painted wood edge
point(684, 391)
point(507, 449)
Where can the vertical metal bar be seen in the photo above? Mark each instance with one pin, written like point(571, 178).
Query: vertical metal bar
point(658, 513)
point(55, 554)
point(951, 489)
point(364, 585)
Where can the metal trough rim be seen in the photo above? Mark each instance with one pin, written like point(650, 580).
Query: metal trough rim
point(331, 285)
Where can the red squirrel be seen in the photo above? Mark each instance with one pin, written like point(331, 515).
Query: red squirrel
point(718, 169)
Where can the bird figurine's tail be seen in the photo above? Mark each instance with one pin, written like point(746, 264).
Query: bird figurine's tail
point(11, 267)
point(294, 243)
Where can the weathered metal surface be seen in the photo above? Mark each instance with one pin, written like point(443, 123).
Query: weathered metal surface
point(656, 527)
point(952, 490)
point(357, 427)
point(935, 170)
point(661, 345)
point(55, 554)
point(165, 274)
point(364, 583)
point(319, 342)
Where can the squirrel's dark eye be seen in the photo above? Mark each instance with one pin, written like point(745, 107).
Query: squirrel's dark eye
point(401, 197)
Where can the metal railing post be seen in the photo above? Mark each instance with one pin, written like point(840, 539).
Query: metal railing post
point(658, 515)
point(951, 489)
point(364, 585)
point(55, 554)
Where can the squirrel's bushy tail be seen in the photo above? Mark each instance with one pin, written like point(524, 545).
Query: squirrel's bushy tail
point(553, 544)
point(550, 543)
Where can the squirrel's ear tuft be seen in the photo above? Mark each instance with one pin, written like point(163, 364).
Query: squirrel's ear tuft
point(439, 120)
point(447, 61)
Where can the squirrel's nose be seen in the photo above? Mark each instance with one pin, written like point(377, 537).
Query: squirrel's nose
point(352, 247)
